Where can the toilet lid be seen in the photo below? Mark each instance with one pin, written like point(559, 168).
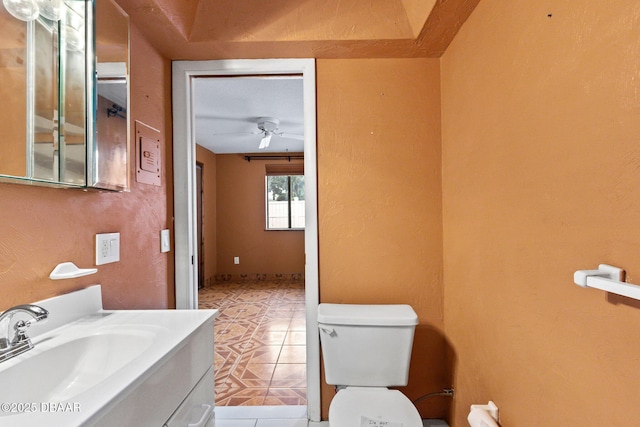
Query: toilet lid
point(355, 406)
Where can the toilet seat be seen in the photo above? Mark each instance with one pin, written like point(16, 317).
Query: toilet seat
point(351, 404)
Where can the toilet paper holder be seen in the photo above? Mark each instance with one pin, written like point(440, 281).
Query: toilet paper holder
point(490, 407)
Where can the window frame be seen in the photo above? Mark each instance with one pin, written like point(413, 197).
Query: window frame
point(289, 210)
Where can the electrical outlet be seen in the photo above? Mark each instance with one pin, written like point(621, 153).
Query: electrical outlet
point(107, 248)
point(236, 260)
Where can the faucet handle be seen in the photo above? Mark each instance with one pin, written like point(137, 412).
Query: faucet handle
point(21, 332)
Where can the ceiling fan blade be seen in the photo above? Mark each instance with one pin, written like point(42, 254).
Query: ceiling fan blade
point(226, 118)
point(291, 136)
point(235, 133)
point(264, 142)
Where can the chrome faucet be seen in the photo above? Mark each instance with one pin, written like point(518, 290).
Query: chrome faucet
point(20, 342)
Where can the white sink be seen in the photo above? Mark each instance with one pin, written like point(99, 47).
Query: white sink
point(91, 367)
point(61, 372)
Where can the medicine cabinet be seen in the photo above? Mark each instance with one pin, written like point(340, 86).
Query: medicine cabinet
point(64, 65)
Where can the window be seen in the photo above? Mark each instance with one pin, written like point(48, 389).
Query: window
point(285, 202)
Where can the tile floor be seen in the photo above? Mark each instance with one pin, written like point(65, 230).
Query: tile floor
point(277, 416)
point(261, 416)
point(260, 343)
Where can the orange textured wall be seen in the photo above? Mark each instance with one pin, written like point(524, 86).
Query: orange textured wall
point(41, 227)
point(241, 222)
point(379, 197)
point(284, 20)
point(209, 229)
point(541, 177)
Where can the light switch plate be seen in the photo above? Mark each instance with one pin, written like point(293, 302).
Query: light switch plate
point(107, 248)
point(165, 241)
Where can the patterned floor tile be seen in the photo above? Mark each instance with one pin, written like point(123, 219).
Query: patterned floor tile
point(300, 314)
point(240, 396)
point(264, 354)
point(254, 295)
point(252, 375)
point(295, 338)
point(236, 332)
point(259, 342)
point(286, 396)
point(293, 354)
point(232, 310)
point(265, 336)
point(289, 375)
point(271, 324)
point(298, 325)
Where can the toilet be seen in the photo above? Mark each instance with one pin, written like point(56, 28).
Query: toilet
point(367, 348)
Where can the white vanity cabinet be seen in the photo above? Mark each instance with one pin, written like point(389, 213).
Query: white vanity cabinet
point(179, 389)
point(197, 409)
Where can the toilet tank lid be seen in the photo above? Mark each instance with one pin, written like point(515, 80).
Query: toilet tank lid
point(367, 314)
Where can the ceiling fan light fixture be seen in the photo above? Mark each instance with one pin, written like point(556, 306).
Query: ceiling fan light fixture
point(268, 124)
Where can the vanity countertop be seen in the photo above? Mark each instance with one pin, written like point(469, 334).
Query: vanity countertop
point(81, 369)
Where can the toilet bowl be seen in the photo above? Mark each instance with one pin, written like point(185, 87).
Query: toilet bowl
point(356, 406)
point(367, 348)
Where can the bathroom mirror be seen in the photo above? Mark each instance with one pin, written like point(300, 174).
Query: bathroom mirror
point(64, 123)
point(109, 159)
point(47, 71)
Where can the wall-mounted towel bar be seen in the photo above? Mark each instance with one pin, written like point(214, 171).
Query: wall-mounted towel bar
point(607, 278)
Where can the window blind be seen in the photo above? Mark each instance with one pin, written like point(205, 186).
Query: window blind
point(280, 169)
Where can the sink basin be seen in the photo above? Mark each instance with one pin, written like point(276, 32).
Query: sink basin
point(91, 367)
point(61, 372)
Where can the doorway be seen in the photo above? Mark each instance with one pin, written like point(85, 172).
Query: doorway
point(185, 201)
point(200, 224)
point(256, 279)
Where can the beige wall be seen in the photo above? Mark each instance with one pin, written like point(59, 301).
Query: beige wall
point(241, 222)
point(209, 229)
point(41, 227)
point(379, 197)
point(541, 169)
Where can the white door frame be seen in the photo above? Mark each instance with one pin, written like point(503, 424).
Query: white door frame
point(184, 161)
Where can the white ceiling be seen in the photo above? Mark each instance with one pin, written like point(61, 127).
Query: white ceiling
point(227, 109)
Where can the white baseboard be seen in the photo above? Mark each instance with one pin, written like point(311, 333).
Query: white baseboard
point(427, 423)
point(261, 412)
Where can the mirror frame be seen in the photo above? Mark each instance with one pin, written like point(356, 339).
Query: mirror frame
point(96, 177)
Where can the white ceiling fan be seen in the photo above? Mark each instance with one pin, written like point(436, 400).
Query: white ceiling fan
point(269, 127)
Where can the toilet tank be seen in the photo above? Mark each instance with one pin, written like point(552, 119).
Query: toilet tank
point(366, 345)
